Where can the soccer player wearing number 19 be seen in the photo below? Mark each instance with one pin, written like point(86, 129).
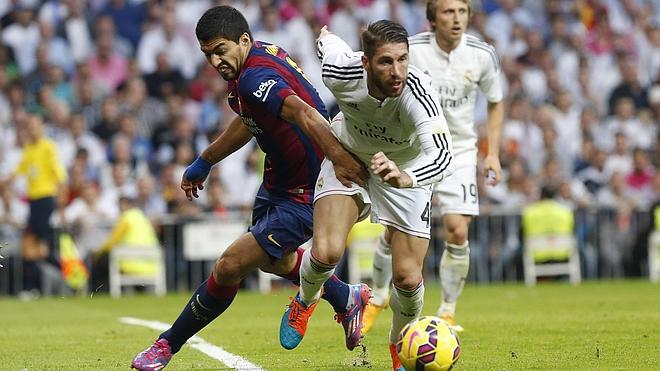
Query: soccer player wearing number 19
point(280, 108)
point(391, 120)
point(459, 64)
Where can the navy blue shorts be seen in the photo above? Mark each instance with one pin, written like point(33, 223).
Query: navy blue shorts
point(39, 218)
point(279, 224)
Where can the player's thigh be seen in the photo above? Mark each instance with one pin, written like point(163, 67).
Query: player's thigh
point(408, 254)
point(241, 257)
point(336, 209)
point(457, 194)
point(334, 216)
point(405, 209)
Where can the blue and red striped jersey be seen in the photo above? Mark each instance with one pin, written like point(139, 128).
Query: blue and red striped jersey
point(293, 160)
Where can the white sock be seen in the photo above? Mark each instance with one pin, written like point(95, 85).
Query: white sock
point(454, 268)
point(313, 275)
point(406, 305)
point(382, 272)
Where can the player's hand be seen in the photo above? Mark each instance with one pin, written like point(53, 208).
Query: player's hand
point(324, 32)
point(492, 170)
point(387, 170)
point(349, 169)
point(194, 177)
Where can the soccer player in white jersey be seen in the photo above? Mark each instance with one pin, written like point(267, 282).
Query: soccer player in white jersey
point(390, 120)
point(459, 64)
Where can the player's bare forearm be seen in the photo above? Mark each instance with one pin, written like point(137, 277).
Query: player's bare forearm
point(233, 138)
point(492, 167)
point(495, 122)
point(347, 167)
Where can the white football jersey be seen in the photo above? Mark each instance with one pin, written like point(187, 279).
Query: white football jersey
point(410, 129)
point(456, 76)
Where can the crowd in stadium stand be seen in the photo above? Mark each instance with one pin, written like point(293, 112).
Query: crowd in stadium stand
point(129, 99)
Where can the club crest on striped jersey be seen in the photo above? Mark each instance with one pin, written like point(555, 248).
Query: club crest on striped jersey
point(272, 49)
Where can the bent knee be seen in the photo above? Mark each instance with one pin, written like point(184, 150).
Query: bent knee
point(328, 250)
point(457, 232)
point(407, 282)
point(227, 269)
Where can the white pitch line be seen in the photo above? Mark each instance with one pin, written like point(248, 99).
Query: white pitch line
point(229, 359)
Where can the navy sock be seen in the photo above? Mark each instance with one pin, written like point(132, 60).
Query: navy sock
point(205, 305)
point(31, 275)
point(336, 292)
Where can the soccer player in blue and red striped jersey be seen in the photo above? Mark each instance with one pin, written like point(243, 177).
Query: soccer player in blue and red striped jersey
point(278, 106)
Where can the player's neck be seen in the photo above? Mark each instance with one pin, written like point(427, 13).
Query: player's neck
point(447, 45)
point(374, 92)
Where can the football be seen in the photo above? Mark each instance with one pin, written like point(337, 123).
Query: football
point(428, 343)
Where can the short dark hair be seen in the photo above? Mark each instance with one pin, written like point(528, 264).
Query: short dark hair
point(548, 191)
point(222, 21)
point(382, 32)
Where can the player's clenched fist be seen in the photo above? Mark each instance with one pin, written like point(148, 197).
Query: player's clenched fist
point(387, 170)
point(194, 177)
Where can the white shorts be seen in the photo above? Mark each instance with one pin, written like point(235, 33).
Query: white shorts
point(406, 209)
point(457, 193)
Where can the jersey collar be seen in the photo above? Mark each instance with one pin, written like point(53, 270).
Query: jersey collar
point(444, 54)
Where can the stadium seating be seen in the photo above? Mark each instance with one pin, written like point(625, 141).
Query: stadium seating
point(654, 256)
point(131, 266)
point(551, 255)
point(361, 242)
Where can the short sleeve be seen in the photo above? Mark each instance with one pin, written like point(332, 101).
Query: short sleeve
point(490, 82)
point(264, 87)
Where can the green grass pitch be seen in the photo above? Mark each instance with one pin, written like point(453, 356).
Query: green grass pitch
point(607, 325)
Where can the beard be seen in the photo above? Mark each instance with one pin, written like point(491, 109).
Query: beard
point(386, 88)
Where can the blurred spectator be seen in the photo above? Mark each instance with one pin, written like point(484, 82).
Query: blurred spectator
point(640, 179)
point(107, 125)
point(86, 220)
point(149, 200)
point(105, 26)
point(59, 53)
point(85, 139)
point(272, 30)
point(164, 38)
point(346, 22)
point(76, 30)
point(23, 37)
point(13, 216)
point(630, 86)
point(164, 80)
point(594, 175)
point(620, 160)
point(149, 112)
point(626, 121)
point(107, 67)
point(128, 17)
point(216, 203)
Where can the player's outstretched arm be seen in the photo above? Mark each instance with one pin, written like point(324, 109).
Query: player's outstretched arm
point(492, 167)
point(348, 168)
point(235, 137)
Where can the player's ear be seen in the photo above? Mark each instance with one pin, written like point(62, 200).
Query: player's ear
point(245, 39)
point(365, 61)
